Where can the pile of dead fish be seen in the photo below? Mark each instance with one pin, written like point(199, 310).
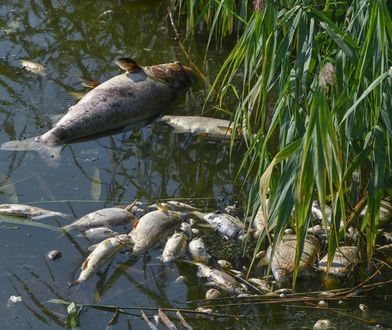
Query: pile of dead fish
point(174, 225)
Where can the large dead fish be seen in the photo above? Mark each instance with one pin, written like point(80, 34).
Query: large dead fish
point(139, 94)
point(154, 226)
point(109, 217)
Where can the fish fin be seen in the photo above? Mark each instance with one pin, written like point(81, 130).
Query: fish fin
point(77, 95)
point(90, 83)
point(127, 64)
point(226, 130)
point(135, 223)
point(50, 154)
point(84, 264)
point(160, 207)
point(73, 283)
point(130, 206)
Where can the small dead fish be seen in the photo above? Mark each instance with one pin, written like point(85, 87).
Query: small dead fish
point(33, 67)
point(154, 226)
point(317, 213)
point(209, 127)
point(109, 217)
point(219, 278)
point(175, 206)
point(29, 212)
point(99, 234)
point(175, 247)
point(225, 224)
point(212, 293)
point(198, 250)
point(102, 254)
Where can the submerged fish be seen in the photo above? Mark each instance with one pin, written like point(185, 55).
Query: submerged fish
point(139, 94)
point(218, 278)
point(99, 234)
point(174, 248)
point(29, 212)
point(100, 255)
point(154, 226)
point(33, 67)
point(209, 127)
point(109, 217)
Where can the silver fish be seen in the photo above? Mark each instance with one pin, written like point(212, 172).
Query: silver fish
point(224, 223)
point(175, 247)
point(101, 255)
point(99, 234)
point(29, 212)
point(33, 67)
point(109, 217)
point(209, 127)
point(137, 95)
point(175, 206)
point(152, 227)
point(198, 250)
point(218, 278)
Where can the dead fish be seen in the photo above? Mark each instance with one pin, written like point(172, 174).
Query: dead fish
point(175, 206)
point(198, 250)
point(225, 224)
point(33, 67)
point(139, 94)
point(154, 226)
point(212, 293)
point(102, 254)
point(283, 260)
point(345, 259)
point(209, 127)
point(109, 217)
point(259, 222)
point(99, 234)
point(385, 215)
point(218, 278)
point(30, 212)
point(317, 213)
point(174, 248)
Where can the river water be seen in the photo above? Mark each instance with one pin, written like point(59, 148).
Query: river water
point(81, 39)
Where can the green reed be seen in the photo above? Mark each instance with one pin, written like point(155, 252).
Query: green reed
point(313, 78)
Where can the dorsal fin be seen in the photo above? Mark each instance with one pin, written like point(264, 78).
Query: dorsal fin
point(127, 64)
point(90, 83)
point(161, 207)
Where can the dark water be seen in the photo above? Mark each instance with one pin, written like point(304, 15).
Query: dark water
point(74, 39)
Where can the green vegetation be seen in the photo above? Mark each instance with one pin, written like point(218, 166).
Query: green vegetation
point(313, 86)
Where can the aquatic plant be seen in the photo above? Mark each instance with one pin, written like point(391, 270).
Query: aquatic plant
point(312, 83)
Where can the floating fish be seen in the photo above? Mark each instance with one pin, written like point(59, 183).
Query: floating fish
point(385, 216)
point(198, 250)
point(283, 260)
point(175, 247)
point(30, 212)
point(109, 217)
point(345, 259)
point(175, 206)
point(224, 223)
point(209, 127)
point(99, 234)
point(139, 94)
point(101, 255)
point(154, 226)
point(33, 67)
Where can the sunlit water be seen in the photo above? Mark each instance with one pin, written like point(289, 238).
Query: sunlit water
point(80, 39)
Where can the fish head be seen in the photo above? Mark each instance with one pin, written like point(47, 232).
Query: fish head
point(179, 77)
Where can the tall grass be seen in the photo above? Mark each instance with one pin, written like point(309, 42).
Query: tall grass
point(315, 78)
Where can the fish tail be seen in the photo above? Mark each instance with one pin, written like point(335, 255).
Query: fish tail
point(50, 154)
point(73, 283)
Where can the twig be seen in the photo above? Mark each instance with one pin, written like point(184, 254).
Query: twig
point(149, 323)
point(185, 51)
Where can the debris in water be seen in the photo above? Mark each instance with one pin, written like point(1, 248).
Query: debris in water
point(54, 255)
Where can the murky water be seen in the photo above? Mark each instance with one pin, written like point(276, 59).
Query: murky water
point(81, 39)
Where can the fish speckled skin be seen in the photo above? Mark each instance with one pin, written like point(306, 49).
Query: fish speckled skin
point(175, 247)
point(30, 212)
point(152, 227)
point(101, 254)
point(109, 217)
